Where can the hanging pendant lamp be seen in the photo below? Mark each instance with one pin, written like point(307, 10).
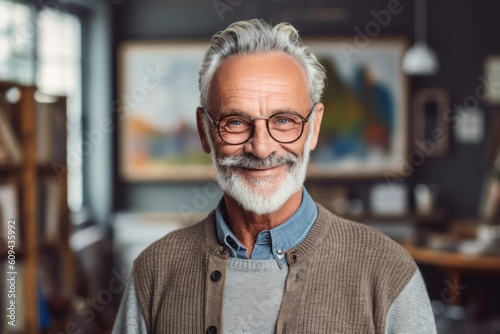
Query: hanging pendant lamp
point(420, 59)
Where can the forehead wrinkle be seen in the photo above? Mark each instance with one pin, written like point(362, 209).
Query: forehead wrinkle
point(262, 87)
point(263, 97)
point(264, 102)
point(248, 83)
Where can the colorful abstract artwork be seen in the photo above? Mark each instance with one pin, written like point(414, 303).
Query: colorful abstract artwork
point(364, 126)
point(363, 133)
point(156, 105)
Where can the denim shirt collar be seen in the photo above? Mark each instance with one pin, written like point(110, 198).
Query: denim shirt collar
point(273, 243)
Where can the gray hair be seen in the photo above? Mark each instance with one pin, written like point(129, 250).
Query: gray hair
point(256, 36)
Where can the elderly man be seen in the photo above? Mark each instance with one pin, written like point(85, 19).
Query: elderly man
point(269, 259)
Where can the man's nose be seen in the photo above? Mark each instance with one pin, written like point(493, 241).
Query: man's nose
point(261, 144)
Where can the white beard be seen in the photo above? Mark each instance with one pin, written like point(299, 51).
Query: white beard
point(261, 195)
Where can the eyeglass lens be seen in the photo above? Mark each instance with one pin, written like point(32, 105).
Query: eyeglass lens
point(283, 127)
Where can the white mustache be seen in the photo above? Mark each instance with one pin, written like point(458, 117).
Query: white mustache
point(249, 161)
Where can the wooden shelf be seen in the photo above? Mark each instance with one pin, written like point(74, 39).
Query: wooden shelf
point(45, 170)
point(10, 168)
point(29, 177)
point(20, 253)
point(454, 260)
point(433, 217)
point(51, 244)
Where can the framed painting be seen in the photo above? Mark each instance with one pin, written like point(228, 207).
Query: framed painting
point(157, 100)
point(364, 129)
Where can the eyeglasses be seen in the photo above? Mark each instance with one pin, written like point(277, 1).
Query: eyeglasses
point(285, 127)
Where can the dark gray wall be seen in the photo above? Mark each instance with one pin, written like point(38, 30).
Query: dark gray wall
point(462, 32)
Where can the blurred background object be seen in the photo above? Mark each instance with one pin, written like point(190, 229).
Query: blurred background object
point(90, 89)
point(420, 59)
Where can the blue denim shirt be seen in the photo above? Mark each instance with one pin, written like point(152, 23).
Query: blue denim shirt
point(270, 244)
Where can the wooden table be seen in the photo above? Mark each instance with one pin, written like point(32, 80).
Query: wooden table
point(455, 265)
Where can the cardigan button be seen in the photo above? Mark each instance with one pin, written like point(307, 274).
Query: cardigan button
point(215, 275)
point(211, 330)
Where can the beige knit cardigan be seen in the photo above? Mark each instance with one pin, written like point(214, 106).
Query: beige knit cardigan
point(342, 279)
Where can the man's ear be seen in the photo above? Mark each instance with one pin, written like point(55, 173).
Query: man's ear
point(200, 114)
point(318, 116)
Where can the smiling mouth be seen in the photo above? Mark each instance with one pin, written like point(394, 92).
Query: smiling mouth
point(261, 168)
point(261, 171)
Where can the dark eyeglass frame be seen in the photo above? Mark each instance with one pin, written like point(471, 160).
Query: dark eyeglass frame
point(253, 119)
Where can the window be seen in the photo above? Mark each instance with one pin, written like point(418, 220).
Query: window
point(58, 64)
point(17, 42)
point(43, 47)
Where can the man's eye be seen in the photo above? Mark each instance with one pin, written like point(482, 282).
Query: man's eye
point(283, 120)
point(234, 122)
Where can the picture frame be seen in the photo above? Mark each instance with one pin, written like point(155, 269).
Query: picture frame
point(494, 137)
point(492, 79)
point(364, 130)
point(430, 122)
point(156, 112)
point(149, 113)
